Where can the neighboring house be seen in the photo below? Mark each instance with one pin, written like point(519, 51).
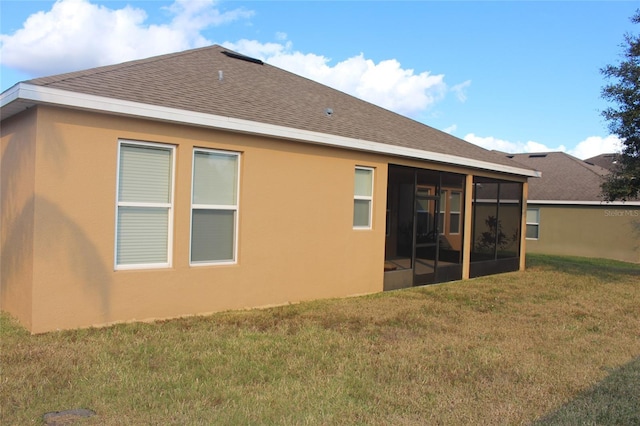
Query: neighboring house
point(606, 161)
point(566, 213)
point(203, 181)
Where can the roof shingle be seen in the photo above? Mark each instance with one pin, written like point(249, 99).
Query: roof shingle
point(564, 177)
point(207, 81)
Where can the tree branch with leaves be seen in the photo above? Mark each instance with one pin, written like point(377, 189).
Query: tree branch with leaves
point(623, 183)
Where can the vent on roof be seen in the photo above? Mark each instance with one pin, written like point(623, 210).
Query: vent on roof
point(328, 112)
point(242, 57)
point(510, 156)
point(537, 155)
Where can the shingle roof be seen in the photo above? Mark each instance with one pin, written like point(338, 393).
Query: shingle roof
point(607, 161)
point(564, 177)
point(209, 81)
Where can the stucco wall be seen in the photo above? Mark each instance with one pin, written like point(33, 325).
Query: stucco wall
point(611, 232)
point(17, 182)
point(295, 238)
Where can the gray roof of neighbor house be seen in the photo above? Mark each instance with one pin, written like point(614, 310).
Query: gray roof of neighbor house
point(564, 177)
point(214, 85)
point(607, 161)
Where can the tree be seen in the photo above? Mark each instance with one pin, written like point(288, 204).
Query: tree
point(623, 183)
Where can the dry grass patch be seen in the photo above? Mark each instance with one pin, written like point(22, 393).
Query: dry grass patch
point(506, 349)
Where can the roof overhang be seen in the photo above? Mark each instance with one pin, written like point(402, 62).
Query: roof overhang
point(23, 96)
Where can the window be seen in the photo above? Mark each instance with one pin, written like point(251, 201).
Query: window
point(214, 206)
point(442, 212)
point(363, 198)
point(454, 213)
point(533, 223)
point(144, 206)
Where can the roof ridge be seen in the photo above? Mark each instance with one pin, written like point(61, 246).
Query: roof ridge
point(588, 166)
point(57, 78)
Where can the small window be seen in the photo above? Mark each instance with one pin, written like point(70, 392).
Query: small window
point(363, 198)
point(533, 224)
point(454, 212)
point(144, 205)
point(214, 207)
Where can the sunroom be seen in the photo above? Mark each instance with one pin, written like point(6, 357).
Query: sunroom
point(444, 226)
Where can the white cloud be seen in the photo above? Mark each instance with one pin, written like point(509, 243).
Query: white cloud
point(590, 147)
point(460, 90)
point(450, 129)
point(489, 142)
point(596, 145)
point(77, 34)
point(385, 83)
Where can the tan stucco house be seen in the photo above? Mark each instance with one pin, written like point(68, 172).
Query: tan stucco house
point(204, 180)
point(566, 213)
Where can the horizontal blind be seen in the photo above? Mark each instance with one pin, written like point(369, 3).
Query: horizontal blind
point(142, 235)
point(363, 182)
point(361, 213)
point(145, 174)
point(215, 178)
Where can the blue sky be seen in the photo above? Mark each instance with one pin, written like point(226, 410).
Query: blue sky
point(509, 75)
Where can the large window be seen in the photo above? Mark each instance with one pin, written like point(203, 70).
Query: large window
point(214, 206)
point(144, 207)
point(363, 198)
point(533, 223)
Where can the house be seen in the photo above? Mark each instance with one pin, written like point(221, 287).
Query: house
point(606, 161)
point(566, 213)
point(205, 180)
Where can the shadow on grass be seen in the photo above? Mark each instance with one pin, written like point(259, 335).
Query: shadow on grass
point(613, 401)
point(605, 269)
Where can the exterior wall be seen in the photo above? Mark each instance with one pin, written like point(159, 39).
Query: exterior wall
point(295, 236)
point(295, 241)
point(17, 183)
point(603, 231)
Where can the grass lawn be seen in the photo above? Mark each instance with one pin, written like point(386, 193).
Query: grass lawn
point(556, 344)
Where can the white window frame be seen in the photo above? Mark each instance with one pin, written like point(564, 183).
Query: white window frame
point(537, 224)
point(235, 208)
point(458, 212)
point(368, 198)
point(169, 206)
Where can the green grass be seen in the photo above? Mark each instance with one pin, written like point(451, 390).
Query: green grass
point(517, 348)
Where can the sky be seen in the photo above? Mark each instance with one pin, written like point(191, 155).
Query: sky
point(513, 76)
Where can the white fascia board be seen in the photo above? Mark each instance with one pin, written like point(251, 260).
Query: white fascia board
point(10, 95)
point(585, 203)
point(47, 95)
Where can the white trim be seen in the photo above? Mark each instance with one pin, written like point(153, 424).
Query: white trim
point(235, 208)
point(10, 94)
point(586, 203)
point(47, 95)
point(169, 206)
